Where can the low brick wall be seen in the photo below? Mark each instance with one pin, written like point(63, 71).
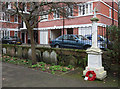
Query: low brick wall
point(48, 55)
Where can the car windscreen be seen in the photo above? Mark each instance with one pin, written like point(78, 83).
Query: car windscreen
point(81, 37)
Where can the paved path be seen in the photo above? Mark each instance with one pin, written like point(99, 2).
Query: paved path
point(18, 76)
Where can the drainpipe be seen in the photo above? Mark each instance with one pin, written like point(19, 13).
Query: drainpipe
point(119, 14)
point(63, 20)
point(63, 23)
point(112, 12)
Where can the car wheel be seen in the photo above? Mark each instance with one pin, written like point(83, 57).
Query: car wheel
point(86, 47)
point(57, 46)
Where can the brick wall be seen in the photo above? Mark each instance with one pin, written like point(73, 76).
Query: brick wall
point(12, 33)
point(75, 31)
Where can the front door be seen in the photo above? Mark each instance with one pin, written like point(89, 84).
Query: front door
point(36, 36)
point(70, 31)
point(23, 37)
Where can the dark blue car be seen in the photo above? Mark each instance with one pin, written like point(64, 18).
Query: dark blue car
point(71, 41)
point(101, 40)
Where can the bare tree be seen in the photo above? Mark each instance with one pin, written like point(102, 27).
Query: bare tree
point(35, 10)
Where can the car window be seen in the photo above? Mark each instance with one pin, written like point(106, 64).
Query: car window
point(81, 37)
point(61, 37)
point(70, 37)
point(65, 37)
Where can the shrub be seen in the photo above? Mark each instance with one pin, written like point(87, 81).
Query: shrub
point(70, 66)
point(52, 72)
point(64, 69)
point(114, 37)
point(43, 69)
point(112, 55)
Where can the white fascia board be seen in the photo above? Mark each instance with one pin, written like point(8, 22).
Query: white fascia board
point(9, 29)
point(70, 26)
point(93, 1)
point(106, 16)
point(23, 28)
point(67, 26)
point(25, 12)
point(103, 3)
point(101, 24)
point(107, 5)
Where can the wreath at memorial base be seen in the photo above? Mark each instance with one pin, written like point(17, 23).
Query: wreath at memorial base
point(93, 75)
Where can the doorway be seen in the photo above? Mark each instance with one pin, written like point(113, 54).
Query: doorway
point(55, 33)
point(36, 36)
point(23, 37)
point(70, 31)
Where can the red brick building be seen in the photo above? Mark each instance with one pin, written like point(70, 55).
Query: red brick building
point(9, 25)
point(78, 22)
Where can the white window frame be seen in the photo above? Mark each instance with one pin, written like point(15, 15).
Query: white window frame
point(25, 8)
point(89, 10)
point(16, 17)
point(2, 16)
point(7, 17)
point(110, 12)
point(86, 9)
point(9, 5)
point(56, 14)
point(44, 18)
point(16, 33)
point(69, 9)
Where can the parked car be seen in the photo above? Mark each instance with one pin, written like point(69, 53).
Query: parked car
point(72, 41)
point(11, 40)
point(101, 39)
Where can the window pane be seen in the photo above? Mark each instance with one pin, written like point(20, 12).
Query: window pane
point(83, 10)
point(86, 8)
point(110, 12)
point(15, 18)
point(90, 8)
point(80, 10)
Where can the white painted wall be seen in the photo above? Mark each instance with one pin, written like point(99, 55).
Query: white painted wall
point(85, 31)
point(44, 37)
point(6, 33)
point(55, 33)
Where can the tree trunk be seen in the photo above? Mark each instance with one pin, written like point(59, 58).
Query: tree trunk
point(31, 34)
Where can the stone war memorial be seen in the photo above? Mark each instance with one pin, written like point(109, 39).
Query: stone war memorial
point(95, 53)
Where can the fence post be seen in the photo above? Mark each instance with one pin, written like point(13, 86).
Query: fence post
point(95, 54)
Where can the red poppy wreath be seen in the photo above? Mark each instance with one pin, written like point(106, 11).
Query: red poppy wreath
point(93, 75)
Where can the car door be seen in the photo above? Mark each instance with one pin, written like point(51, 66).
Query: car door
point(71, 42)
point(64, 41)
point(81, 41)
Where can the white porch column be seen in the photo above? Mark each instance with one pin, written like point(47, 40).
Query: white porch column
point(24, 25)
point(95, 54)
